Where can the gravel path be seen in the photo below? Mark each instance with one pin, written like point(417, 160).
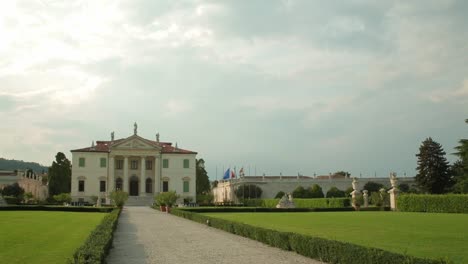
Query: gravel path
point(145, 235)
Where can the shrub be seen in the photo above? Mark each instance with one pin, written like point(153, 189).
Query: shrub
point(63, 198)
point(279, 195)
point(97, 246)
point(249, 191)
point(12, 199)
point(372, 186)
point(380, 198)
point(329, 251)
point(315, 191)
point(166, 198)
point(299, 192)
point(13, 190)
point(119, 198)
point(205, 199)
point(448, 203)
point(404, 188)
point(94, 199)
point(335, 192)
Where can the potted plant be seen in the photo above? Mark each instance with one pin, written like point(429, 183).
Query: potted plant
point(160, 200)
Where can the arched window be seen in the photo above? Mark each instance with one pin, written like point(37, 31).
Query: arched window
point(118, 184)
point(149, 185)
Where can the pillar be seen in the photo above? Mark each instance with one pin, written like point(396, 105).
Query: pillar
point(143, 176)
point(157, 175)
point(111, 180)
point(125, 174)
point(393, 198)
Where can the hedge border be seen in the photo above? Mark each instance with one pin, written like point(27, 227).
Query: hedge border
point(274, 210)
point(433, 203)
point(329, 251)
point(56, 208)
point(98, 244)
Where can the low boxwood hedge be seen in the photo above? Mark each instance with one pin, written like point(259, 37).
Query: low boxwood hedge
point(329, 251)
point(261, 209)
point(301, 203)
point(97, 246)
point(56, 208)
point(447, 203)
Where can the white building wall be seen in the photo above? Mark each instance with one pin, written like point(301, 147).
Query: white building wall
point(176, 173)
point(92, 173)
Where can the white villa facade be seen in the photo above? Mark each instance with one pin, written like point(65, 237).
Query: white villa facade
point(135, 165)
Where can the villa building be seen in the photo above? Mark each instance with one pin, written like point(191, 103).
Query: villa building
point(136, 165)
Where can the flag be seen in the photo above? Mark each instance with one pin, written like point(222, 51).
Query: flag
point(229, 174)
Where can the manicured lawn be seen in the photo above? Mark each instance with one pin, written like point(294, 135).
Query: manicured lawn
point(418, 234)
point(43, 237)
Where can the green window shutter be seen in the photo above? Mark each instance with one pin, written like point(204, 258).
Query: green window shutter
point(186, 163)
point(81, 162)
point(186, 186)
point(103, 162)
point(165, 163)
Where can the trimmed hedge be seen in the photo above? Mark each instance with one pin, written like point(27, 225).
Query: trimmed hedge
point(302, 203)
point(446, 203)
point(329, 251)
point(97, 246)
point(56, 208)
point(263, 209)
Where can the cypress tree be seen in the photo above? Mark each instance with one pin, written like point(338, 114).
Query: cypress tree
point(433, 176)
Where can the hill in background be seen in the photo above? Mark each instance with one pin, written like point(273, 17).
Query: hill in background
point(6, 164)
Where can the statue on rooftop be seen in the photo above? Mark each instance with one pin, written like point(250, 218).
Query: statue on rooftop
point(135, 128)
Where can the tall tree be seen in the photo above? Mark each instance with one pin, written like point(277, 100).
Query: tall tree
point(203, 183)
point(59, 175)
point(459, 169)
point(433, 176)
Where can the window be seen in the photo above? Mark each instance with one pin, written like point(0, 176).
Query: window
point(165, 163)
point(81, 186)
point(102, 186)
point(165, 186)
point(103, 200)
point(186, 186)
point(186, 163)
point(103, 162)
point(149, 164)
point(118, 184)
point(119, 164)
point(134, 164)
point(81, 162)
point(149, 186)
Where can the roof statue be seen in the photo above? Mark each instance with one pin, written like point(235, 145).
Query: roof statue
point(112, 136)
point(135, 128)
point(157, 137)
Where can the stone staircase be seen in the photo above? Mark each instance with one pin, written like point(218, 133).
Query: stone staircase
point(139, 201)
point(2, 202)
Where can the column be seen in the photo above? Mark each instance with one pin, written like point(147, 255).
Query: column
point(111, 178)
point(157, 175)
point(125, 174)
point(143, 176)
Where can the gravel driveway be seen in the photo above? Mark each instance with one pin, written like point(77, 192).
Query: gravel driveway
point(145, 235)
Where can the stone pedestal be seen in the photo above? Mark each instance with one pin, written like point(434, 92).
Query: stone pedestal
point(393, 198)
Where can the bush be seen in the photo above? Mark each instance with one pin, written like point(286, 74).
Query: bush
point(299, 192)
point(13, 190)
point(279, 195)
point(63, 198)
point(248, 191)
point(166, 198)
point(57, 208)
point(373, 186)
point(329, 251)
point(97, 246)
point(448, 203)
point(205, 199)
point(301, 203)
point(119, 198)
point(12, 199)
point(380, 199)
point(315, 191)
point(335, 192)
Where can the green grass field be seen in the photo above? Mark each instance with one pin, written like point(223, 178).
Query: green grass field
point(43, 237)
point(417, 234)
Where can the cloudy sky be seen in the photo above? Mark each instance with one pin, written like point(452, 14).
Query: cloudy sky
point(281, 86)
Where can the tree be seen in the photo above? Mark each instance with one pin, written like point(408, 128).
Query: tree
point(60, 175)
point(13, 190)
point(342, 173)
point(248, 191)
point(373, 186)
point(119, 198)
point(459, 170)
point(315, 191)
point(203, 183)
point(279, 195)
point(299, 192)
point(433, 176)
point(335, 192)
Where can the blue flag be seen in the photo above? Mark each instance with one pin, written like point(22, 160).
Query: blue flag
point(227, 174)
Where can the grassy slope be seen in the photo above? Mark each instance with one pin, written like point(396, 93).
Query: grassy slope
point(43, 237)
point(418, 234)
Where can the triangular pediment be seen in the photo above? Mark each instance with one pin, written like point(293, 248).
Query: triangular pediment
point(135, 142)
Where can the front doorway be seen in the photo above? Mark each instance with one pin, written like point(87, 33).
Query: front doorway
point(133, 186)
